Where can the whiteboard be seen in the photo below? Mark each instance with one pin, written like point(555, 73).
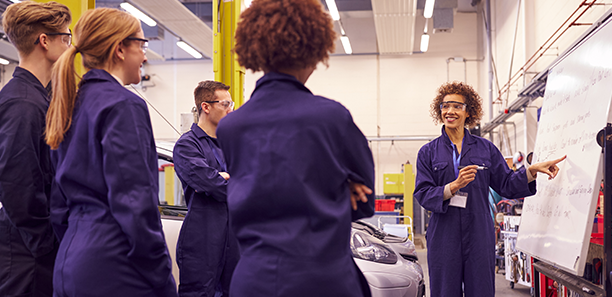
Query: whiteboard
point(556, 223)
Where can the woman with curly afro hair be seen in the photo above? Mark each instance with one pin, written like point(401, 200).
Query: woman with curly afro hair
point(300, 168)
point(454, 173)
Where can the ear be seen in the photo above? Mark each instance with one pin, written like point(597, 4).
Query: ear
point(206, 108)
point(120, 51)
point(44, 40)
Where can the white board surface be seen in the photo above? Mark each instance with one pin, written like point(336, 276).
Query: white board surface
point(556, 223)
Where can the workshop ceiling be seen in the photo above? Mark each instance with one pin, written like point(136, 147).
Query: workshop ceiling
point(372, 26)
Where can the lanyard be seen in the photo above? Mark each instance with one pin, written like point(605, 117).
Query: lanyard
point(216, 153)
point(456, 159)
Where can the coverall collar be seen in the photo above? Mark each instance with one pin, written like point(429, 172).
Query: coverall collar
point(277, 76)
point(22, 73)
point(468, 140)
point(99, 74)
point(198, 131)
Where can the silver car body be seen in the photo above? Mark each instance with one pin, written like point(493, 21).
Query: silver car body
point(404, 278)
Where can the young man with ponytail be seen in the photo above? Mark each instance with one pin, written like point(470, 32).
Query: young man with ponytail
point(28, 245)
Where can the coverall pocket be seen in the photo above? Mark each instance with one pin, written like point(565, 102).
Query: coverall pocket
point(480, 162)
point(438, 172)
point(483, 175)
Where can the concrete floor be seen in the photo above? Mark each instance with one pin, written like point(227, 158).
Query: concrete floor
point(502, 286)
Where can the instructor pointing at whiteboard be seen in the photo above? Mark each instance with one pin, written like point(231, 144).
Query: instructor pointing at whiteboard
point(454, 173)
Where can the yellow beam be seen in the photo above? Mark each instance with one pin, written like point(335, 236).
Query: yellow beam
point(225, 66)
point(169, 184)
point(77, 8)
point(409, 180)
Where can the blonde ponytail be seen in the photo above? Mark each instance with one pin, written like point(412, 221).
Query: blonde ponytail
point(64, 82)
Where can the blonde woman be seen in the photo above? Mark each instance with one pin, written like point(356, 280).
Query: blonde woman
point(104, 197)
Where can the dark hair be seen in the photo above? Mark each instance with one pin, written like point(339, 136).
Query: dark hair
point(276, 35)
point(205, 91)
point(24, 21)
point(472, 99)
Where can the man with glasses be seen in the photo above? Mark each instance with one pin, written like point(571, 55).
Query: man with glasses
point(28, 245)
point(207, 251)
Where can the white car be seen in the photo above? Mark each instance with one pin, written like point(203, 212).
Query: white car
point(388, 262)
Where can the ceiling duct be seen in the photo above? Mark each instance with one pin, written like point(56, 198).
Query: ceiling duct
point(443, 20)
point(444, 14)
point(154, 56)
point(394, 21)
point(179, 21)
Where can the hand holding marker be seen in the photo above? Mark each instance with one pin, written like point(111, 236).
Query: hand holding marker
point(477, 168)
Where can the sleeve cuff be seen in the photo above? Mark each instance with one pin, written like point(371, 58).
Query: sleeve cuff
point(530, 177)
point(447, 192)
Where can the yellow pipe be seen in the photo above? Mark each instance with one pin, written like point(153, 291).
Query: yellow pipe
point(409, 182)
point(169, 184)
point(225, 66)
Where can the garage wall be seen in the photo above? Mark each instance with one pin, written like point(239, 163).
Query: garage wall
point(390, 95)
point(6, 73)
point(387, 95)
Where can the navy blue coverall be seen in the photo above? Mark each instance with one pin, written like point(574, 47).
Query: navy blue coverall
point(207, 251)
point(291, 155)
point(461, 241)
point(27, 242)
point(104, 201)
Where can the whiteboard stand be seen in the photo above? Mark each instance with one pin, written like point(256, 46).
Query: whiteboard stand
point(571, 281)
point(607, 175)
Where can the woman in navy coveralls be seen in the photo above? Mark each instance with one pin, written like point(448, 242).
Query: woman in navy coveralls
point(292, 157)
point(461, 236)
point(105, 194)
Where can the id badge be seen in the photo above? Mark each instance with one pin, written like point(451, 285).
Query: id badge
point(459, 200)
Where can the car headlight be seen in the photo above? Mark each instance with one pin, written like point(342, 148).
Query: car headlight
point(363, 247)
point(406, 249)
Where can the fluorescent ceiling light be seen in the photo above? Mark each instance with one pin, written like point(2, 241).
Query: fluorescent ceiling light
point(424, 42)
point(333, 9)
point(190, 50)
point(346, 44)
point(429, 7)
point(4, 61)
point(139, 14)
